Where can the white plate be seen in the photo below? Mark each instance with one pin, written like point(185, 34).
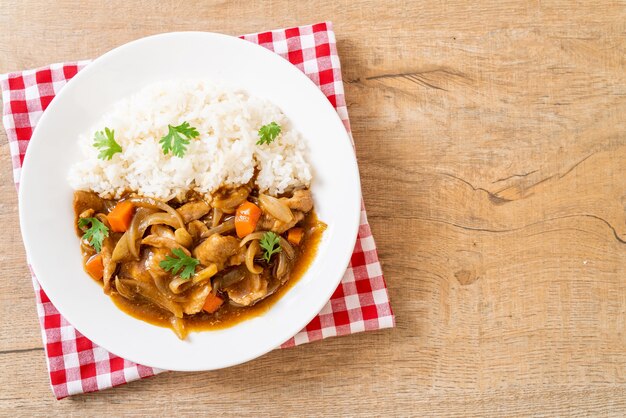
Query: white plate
point(46, 198)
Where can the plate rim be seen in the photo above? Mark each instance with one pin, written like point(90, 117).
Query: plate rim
point(35, 140)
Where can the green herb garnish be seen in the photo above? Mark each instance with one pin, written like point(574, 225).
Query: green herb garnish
point(181, 262)
point(270, 244)
point(268, 133)
point(95, 233)
point(177, 139)
point(105, 142)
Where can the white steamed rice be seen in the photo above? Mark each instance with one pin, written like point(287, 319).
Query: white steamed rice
point(225, 153)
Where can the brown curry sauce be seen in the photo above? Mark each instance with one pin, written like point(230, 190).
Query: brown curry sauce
point(229, 315)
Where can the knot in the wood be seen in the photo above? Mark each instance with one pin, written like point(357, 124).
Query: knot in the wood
point(466, 277)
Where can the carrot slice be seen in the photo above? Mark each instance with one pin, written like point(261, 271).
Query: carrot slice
point(212, 303)
point(246, 218)
point(94, 267)
point(295, 235)
point(121, 216)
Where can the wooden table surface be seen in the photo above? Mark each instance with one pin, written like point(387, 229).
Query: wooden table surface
point(491, 139)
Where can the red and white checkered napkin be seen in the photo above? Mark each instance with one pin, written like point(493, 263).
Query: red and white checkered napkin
point(360, 303)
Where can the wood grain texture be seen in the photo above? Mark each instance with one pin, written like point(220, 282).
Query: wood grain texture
point(491, 139)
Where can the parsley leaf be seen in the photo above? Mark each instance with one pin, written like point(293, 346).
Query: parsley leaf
point(183, 261)
point(177, 139)
point(105, 142)
point(268, 133)
point(270, 244)
point(96, 232)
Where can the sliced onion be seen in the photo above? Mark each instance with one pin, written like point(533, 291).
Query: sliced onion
point(286, 247)
point(109, 265)
point(284, 244)
point(121, 251)
point(216, 218)
point(276, 208)
point(135, 231)
point(162, 242)
point(179, 285)
point(123, 289)
point(160, 281)
point(234, 199)
point(222, 228)
point(253, 250)
point(281, 268)
point(183, 237)
point(204, 274)
point(250, 237)
point(226, 280)
point(159, 218)
point(178, 326)
point(150, 293)
point(249, 292)
point(148, 202)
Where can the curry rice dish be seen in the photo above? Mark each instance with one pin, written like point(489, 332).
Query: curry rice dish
point(193, 205)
